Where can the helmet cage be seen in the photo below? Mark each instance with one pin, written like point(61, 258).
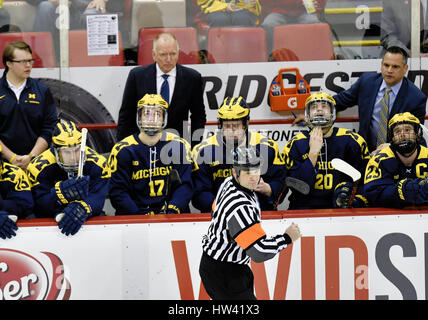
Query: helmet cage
point(150, 120)
point(405, 146)
point(65, 138)
point(67, 157)
point(320, 121)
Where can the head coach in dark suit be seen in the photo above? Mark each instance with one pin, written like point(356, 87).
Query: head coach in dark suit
point(184, 93)
point(370, 88)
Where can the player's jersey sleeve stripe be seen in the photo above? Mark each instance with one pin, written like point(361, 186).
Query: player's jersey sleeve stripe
point(250, 235)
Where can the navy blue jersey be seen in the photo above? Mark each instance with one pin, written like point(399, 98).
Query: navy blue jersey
point(214, 166)
point(323, 178)
point(16, 197)
point(383, 173)
point(44, 172)
point(33, 116)
point(139, 181)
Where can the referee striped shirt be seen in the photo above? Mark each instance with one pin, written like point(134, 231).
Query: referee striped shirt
point(235, 233)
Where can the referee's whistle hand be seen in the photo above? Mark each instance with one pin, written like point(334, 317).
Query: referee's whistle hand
point(293, 232)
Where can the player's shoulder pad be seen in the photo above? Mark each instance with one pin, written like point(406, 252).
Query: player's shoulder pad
point(382, 155)
point(124, 143)
point(16, 176)
point(40, 163)
point(99, 160)
point(357, 138)
point(210, 141)
point(117, 148)
point(169, 136)
point(257, 138)
point(423, 154)
point(183, 142)
point(347, 132)
point(298, 137)
point(206, 146)
point(373, 170)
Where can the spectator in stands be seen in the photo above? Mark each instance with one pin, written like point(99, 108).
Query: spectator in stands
point(280, 12)
point(58, 191)
point(308, 157)
point(144, 164)
point(371, 89)
point(223, 13)
point(396, 175)
point(212, 158)
point(16, 201)
point(180, 86)
point(28, 111)
point(396, 25)
point(47, 14)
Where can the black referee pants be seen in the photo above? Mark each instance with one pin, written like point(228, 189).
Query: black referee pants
point(226, 280)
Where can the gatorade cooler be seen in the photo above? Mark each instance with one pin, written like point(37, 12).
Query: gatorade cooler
point(289, 99)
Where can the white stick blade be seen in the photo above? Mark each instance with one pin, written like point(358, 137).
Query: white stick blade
point(424, 129)
point(346, 168)
point(82, 152)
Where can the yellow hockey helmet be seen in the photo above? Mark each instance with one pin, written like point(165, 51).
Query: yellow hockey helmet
point(152, 114)
point(233, 109)
point(402, 118)
point(66, 140)
point(405, 117)
point(66, 134)
point(320, 120)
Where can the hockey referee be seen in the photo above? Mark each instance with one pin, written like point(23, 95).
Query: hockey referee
point(235, 234)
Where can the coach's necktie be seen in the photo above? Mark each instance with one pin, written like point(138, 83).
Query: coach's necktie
point(383, 118)
point(165, 88)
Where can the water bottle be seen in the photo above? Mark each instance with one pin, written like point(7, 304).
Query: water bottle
point(301, 87)
point(276, 89)
point(309, 6)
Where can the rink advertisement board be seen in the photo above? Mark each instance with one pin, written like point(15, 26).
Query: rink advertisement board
point(343, 254)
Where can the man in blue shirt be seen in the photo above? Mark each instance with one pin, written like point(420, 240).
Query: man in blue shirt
point(368, 91)
point(27, 109)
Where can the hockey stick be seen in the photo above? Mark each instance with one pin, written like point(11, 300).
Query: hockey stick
point(82, 152)
point(294, 183)
point(173, 178)
point(349, 170)
point(81, 163)
point(424, 129)
point(13, 217)
point(298, 185)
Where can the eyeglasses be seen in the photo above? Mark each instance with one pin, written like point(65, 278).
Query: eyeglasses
point(24, 62)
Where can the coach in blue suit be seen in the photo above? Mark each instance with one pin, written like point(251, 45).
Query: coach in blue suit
point(368, 91)
point(185, 91)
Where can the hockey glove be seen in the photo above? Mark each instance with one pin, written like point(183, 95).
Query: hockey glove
point(7, 226)
point(413, 190)
point(359, 202)
point(342, 194)
point(72, 189)
point(171, 209)
point(75, 215)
